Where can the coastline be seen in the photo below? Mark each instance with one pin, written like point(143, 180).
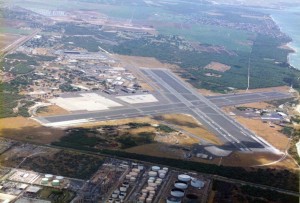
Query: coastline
point(290, 45)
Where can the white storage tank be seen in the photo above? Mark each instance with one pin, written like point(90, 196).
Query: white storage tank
point(125, 184)
point(162, 175)
point(132, 179)
point(155, 168)
point(152, 185)
point(152, 192)
point(181, 185)
point(152, 173)
point(150, 181)
point(114, 195)
point(136, 170)
point(133, 174)
point(150, 188)
point(184, 177)
point(117, 191)
point(141, 167)
point(45, 181)
point(197, 183)
point(177, 192)
point(59, 178)
point(128, 177)
point(55, 183)
point(149, 200)
point(142, 199)
point(166, 169)
point(122, 196)
point(49, 176)
point(123, 189)
point(172, 199)
point(110, 200)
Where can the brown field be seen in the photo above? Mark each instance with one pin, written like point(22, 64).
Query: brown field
point(269, 89)
point(257, 105)
point(52, 110)
point(173, 138)
point(7, 39)
point(271, 135)
point(217, 67)
point(190, 125)
point(119, 122)
point(287, 47)
point(159, 150)
point(257, 159)
point(138, 61)
point(26, 129)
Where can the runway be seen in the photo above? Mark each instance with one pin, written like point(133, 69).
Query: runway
point(175, 96)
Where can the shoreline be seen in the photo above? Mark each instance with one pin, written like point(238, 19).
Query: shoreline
point(289, 45)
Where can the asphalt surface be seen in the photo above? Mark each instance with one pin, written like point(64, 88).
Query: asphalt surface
point(175, 96)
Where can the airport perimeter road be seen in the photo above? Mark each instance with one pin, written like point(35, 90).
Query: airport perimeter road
point(208, 114)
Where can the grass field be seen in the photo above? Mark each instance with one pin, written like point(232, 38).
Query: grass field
point(236, 40)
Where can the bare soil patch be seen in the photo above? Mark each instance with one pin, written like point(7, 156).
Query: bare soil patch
point(158, 150)
point(217, 67)
point(264, 130)
point(52, 110)
point(258, 158)
point(190, 125)
point(269, 89)
point(26, 129)
point(138, 61)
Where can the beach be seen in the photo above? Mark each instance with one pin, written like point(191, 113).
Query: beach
point(289, 22)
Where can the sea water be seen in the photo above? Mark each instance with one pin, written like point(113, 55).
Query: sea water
point(289, 22)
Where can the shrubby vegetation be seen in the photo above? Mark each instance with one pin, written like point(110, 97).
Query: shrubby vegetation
point(284, 179)
point(268, 63)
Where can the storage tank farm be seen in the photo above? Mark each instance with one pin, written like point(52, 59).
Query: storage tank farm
point(125, 187)
point(180, 192)
point(155, 178)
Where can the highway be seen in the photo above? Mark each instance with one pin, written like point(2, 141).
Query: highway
point(175, 96)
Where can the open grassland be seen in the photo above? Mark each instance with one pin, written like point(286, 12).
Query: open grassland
point(51, 111)
point(258, 159)
point(25, 129)
point(271, 135)
point(231, 39)
point(190, 125)
point(158, 150)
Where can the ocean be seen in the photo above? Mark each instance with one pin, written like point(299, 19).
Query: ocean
point(289, 22)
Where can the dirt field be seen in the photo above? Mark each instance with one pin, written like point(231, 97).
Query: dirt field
point(217, 67)
point(174, 138)
point(7, 39)
point(268, 133)
point(26, 129)
point(159, 150)
point(52, 110)
point(120, 122)
point(287, 47)
point(264, 130)
point(258, 105)
point(190, 125)
point(269, 89)
point(137, 61)
point(255, 159)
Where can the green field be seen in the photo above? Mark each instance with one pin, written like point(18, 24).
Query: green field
point(236, 40)
point(10, 30)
